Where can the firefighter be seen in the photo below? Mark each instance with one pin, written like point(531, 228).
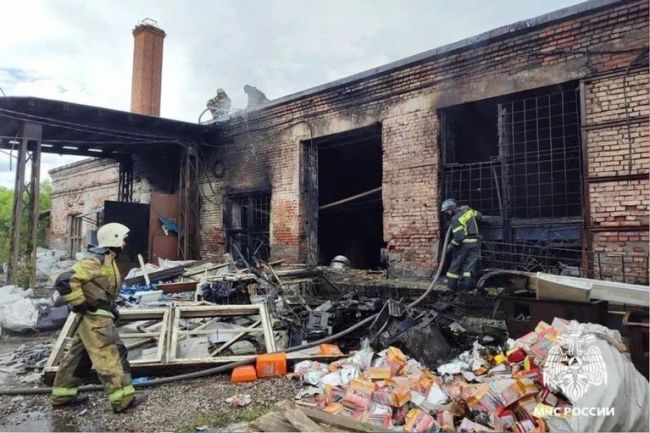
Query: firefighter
point(464, 246)
point(91, 288)
point(220, 105)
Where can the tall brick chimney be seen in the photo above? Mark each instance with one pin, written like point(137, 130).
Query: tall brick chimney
point(147, 67)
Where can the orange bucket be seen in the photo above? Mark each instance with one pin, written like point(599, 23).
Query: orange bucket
point(271, 364)
point(245, 373)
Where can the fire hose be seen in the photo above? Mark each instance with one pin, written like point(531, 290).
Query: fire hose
point(230, 366)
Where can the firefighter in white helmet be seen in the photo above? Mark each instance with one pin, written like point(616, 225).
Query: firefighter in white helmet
point(91, 288)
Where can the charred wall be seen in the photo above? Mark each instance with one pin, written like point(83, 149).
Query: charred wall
point(265, 148)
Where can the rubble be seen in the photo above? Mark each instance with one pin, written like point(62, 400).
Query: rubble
point(487, 388)
point(24, 364)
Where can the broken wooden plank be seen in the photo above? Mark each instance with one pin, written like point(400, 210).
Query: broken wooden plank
point(187, 286)
point(234, 339)
point(340, 421)
point(297, 418)
point(144, 270)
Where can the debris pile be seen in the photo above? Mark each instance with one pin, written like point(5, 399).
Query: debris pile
point(17, 311)
point(25, 363)
point(51, 262)
point(483, 389)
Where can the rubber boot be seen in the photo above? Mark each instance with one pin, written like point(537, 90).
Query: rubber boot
point(77, 400)
point(137, 401)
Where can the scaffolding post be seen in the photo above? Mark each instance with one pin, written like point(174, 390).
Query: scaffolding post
point(23, 246)
point(189, 205)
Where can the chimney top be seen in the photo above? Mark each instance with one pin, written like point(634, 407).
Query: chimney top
point(150, 25)
point(147, 67)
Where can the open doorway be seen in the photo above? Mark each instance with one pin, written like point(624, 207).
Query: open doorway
point(350, 212)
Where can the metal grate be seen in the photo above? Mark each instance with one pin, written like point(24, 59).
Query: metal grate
point(537, 173)
point(540, 148)
point(476, 184)
point(247, 226)
point(556, 258)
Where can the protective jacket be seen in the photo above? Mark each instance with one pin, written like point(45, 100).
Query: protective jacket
point(466, 249)
point(464, 227)
point(94, 279)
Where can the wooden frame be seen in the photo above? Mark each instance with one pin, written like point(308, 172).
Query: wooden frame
point(131, 315)
point(169, 335)
point(262, 325)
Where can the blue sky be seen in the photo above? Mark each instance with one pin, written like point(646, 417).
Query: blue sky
point(81, 51)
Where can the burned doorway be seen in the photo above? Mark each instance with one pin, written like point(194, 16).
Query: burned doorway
point(348, 185)
point(517, 159)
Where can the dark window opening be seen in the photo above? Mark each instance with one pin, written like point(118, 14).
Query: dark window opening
point(471, 133)
point(517, 159)
point(247, 219)
point(350, 215)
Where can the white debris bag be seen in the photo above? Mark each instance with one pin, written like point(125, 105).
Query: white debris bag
point(47, 261)
point(606, 391)
point(17, 311)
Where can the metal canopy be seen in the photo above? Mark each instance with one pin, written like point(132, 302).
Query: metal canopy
point(30, 126)
point(75, 129)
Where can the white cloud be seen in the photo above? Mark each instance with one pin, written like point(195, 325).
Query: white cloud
point(82, 51)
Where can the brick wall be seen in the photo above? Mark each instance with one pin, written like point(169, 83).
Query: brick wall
point(85, 185)
point(608, 132)
point(409, 191)
point(264, 145)
point(619, 203)
point(78, 188)
point(621, 256)
point(618, 161)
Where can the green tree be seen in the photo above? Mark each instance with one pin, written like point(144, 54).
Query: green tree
point(6, 207)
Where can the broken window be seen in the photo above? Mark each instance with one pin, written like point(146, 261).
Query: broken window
point(76, 237)
point(517, 159)
point(247, 219)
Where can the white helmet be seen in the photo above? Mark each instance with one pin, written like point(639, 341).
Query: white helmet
point(112, 235)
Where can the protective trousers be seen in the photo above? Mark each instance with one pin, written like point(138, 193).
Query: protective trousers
point(464, 266)
point(96, 341)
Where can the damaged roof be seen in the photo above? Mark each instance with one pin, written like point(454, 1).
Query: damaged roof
point(76, 129)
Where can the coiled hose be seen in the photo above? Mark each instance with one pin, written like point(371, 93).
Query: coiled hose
point(230, 366)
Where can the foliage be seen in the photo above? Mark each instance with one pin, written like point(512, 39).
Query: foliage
point(6, 208)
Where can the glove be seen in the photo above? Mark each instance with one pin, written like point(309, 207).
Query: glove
point(84, 307)
point(116, 314)
point(450, 248)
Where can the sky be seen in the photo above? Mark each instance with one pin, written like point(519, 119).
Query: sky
point(81, 51)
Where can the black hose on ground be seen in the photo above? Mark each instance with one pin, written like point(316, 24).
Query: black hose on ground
point(230, 366)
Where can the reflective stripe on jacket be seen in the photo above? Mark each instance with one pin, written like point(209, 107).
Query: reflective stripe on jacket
point(93, 280)
point(463, 225)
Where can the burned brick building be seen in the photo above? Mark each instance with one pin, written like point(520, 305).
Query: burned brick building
point(541, 125)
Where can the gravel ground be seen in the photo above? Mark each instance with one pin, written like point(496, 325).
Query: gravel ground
point(182, 406)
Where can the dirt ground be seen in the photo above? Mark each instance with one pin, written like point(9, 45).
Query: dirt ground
point(183, 406)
